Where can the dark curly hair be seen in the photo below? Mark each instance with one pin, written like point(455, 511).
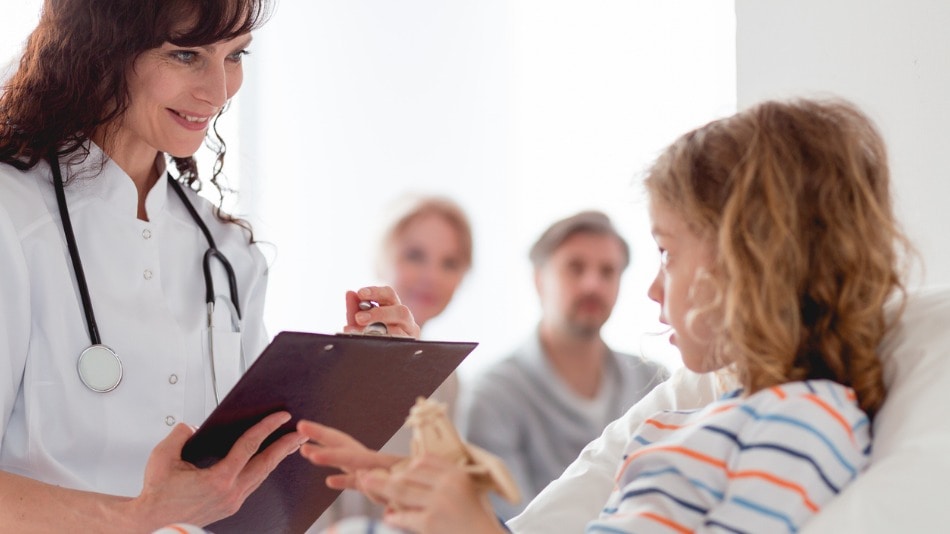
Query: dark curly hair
point(71, 80)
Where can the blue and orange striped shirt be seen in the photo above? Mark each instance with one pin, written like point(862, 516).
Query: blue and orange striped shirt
point(763, 463)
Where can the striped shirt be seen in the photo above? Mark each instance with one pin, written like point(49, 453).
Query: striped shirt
point(763, 463)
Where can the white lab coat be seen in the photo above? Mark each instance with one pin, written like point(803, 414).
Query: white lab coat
point(148, 295)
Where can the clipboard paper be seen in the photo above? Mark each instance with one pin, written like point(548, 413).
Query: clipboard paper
point(362, 385)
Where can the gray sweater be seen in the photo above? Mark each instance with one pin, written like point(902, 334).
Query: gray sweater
point(522, 411)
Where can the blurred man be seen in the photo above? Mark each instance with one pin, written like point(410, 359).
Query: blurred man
point(541, 405)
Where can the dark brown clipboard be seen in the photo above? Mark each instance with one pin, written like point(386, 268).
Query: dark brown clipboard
point(363, 385)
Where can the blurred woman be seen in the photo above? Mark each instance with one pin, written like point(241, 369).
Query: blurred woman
point(424, 253)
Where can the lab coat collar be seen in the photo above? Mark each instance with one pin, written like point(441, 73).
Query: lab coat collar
point(113, 185)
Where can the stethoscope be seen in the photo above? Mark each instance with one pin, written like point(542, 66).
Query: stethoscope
point(99, 367)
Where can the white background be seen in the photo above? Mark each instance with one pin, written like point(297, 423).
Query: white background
point(523, 111)
point(891, 57)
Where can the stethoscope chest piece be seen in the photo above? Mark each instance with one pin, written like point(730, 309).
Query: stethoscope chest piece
point(100, 368)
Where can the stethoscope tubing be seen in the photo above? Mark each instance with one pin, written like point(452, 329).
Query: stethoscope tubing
point(212, 251)
point(97, 349)
point(91, 325)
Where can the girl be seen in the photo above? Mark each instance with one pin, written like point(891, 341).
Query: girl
point(779, 249)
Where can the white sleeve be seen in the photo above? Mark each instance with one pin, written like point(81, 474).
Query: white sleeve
point(14, 317)
point(577, 496)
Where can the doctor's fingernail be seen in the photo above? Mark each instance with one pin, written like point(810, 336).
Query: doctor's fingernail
point(362, 316)
point(364, 292)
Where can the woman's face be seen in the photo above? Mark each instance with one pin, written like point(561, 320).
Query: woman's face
point(426, 265)
point(683, 257)
point(175, 92)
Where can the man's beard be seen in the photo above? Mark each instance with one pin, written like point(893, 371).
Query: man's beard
point(589, 326)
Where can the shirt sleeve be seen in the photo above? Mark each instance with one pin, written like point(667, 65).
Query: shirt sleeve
point(793, 457)
point(791, 454)
point(579, 494)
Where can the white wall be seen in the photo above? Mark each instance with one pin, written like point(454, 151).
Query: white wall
point(524, 111)
point(15, 24)
point(891, 57)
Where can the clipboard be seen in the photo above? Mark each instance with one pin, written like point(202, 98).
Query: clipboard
point(363, 385)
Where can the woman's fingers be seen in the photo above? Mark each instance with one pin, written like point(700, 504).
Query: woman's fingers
point(261, 465)
point(171, 446)
point(352, 307)
point(250, 442)
point(382, 295)
point(176, 491)
point(391, 312)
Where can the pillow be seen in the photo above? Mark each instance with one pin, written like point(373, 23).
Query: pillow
point(905, 488)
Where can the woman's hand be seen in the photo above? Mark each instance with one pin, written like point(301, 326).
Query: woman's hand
point(397, 318)
point(433, 495)
point(176, 491)
point(333, 448)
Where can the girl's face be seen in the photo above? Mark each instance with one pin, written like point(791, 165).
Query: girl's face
point(427, 265)
point(683, 257)
point(175, 92)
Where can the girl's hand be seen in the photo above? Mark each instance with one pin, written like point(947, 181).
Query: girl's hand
point(433, 495)
point(333, 448)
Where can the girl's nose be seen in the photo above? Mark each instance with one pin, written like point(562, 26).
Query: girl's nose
point(655, 291)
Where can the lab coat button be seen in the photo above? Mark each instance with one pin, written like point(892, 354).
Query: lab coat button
point(173, 379)
point(146, 234)
point(170, 421)
point(147, 274)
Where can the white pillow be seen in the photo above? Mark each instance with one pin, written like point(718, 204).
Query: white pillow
point(905, 489)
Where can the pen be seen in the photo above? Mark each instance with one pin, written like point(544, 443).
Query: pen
point(377, 328)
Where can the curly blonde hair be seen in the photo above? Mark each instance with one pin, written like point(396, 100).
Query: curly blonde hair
point(796, 198)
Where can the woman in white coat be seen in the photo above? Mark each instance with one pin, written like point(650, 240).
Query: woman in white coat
point(111, 302)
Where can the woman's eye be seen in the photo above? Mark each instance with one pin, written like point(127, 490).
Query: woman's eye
point(664, 257)
point(184, 56)
point(414, 255)
point(238, 56)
